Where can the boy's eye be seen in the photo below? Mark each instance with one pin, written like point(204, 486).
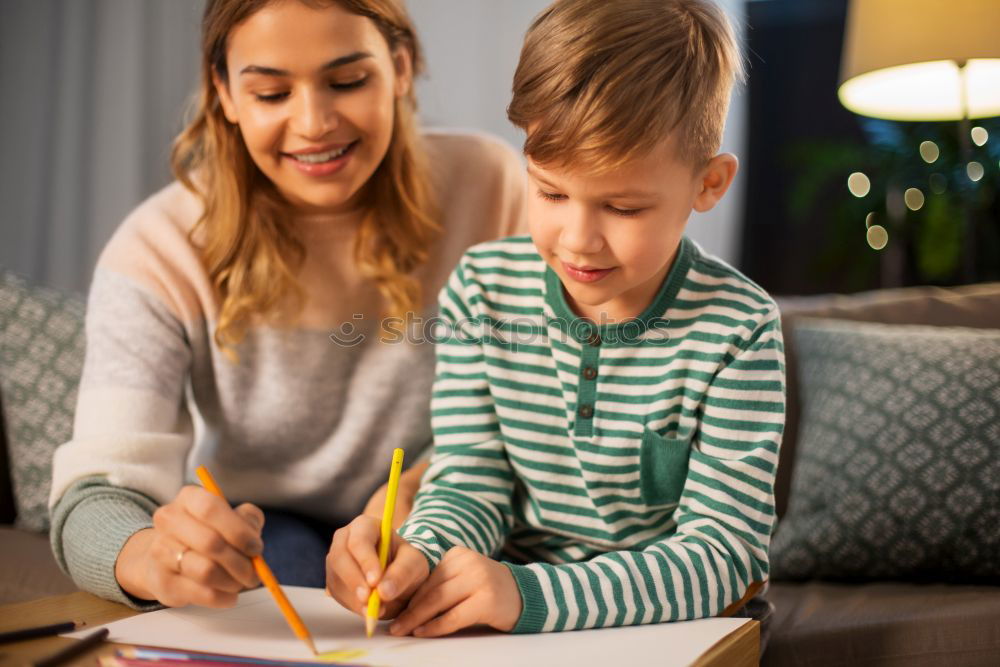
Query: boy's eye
point(624, 212)
point(271, 97)
point(551, 196)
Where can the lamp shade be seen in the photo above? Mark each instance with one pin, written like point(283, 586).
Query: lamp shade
point(922, 59)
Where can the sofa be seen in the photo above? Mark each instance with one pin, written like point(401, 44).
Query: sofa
point(821, 623)
point(816, 623)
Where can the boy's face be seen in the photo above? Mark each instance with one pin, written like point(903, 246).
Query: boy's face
point(612, 237)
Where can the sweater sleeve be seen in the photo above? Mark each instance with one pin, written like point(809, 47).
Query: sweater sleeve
point(131, 435)
point(465, 495)
point(724, 519)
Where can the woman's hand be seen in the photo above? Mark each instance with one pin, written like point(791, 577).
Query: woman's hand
point(198, 552)
point(353, 568)
point(409, 484)
point(465, 589)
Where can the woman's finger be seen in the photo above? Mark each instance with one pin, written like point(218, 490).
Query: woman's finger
point(180, 560)
point(174, 521)
point(215, 512)
point(252, 515)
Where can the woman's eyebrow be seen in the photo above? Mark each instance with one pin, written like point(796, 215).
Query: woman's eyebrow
point(333, 64)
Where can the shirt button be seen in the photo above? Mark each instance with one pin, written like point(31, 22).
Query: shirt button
point(586, 411)
point(595, 339)
point(589, 373)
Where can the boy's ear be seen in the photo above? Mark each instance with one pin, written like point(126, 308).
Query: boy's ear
point(222, 90)
point(715, 179)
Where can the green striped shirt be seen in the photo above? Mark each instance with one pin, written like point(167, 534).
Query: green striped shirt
point(626, 472)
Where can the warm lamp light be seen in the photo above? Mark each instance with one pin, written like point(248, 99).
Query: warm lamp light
point(925, 60)
point(922, 59)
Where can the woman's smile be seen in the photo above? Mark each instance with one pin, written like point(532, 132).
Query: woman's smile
point(323, 160)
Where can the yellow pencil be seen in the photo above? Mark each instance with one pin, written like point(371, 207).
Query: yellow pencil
point(265, 574)
point(371, 618)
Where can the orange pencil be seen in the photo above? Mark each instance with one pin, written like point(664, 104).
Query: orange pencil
point(265, 574)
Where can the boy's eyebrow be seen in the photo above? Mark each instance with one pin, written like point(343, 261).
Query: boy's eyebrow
point(538, 177)
point(623, 194)
point(333, 64)
point(626, 194)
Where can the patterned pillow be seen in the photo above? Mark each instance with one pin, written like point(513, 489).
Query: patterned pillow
point(41, 356)
point(897, 473)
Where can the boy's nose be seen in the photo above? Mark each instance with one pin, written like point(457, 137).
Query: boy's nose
point(582, 236)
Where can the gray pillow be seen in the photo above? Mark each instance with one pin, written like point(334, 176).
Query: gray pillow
point(897, 472)
point(41, 356)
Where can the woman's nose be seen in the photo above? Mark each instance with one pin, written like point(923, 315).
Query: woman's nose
point(314, 115)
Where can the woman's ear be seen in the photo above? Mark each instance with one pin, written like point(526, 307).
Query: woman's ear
point(402, 61)
point(714, 180)
point(225, 99)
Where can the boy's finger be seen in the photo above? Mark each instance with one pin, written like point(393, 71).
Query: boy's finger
point(434, 598)
point(405, 573)
point(460, 616)
point(362, 542)
point(344, 571)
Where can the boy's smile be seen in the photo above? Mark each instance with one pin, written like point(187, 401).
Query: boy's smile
point(612, 237)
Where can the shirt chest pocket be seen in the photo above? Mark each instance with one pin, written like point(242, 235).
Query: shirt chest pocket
point(663, 467)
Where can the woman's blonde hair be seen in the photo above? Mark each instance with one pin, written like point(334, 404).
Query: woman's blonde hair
point(250, 252)
point(599, 83)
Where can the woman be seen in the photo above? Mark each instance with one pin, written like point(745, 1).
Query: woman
point(306, 203)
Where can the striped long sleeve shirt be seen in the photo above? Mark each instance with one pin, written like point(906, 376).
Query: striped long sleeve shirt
point(624, 473)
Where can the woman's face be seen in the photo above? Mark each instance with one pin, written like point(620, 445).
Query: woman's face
point(313, 93)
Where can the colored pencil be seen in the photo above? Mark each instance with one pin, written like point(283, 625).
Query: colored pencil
point(40, 631)
point(385, 541)
point(140, 657)
point(265, 574)
point(75, 649)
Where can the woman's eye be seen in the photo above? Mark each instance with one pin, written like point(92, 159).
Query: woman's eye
point(625, 212)
point(349, 85)
point(271, 97)
point(551, 196)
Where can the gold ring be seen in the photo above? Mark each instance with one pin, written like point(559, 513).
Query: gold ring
point(180, 557)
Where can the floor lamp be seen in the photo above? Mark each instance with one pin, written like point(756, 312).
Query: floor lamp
point(925, 60)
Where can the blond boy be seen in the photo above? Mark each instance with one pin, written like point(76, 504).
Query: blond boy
point(609, 405)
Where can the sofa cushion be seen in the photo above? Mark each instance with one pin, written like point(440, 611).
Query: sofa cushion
point(29, 568)
point(976, 306)
point(7, 511)
point(886, 624)
point(898, 466)
point(41, 356)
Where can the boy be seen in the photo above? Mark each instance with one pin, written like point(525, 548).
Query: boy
point(610, 401)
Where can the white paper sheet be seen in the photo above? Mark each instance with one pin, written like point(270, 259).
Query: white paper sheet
point(256, 628)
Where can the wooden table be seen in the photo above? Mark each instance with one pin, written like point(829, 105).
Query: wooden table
point(738, 649)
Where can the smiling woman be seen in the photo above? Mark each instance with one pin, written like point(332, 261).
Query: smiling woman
point(307, 202)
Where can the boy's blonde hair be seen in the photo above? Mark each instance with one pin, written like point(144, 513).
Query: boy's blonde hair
point(602, 82)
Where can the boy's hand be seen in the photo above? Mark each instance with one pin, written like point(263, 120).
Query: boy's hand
point(465, 589)
point(352, 568)
point(409, 484)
